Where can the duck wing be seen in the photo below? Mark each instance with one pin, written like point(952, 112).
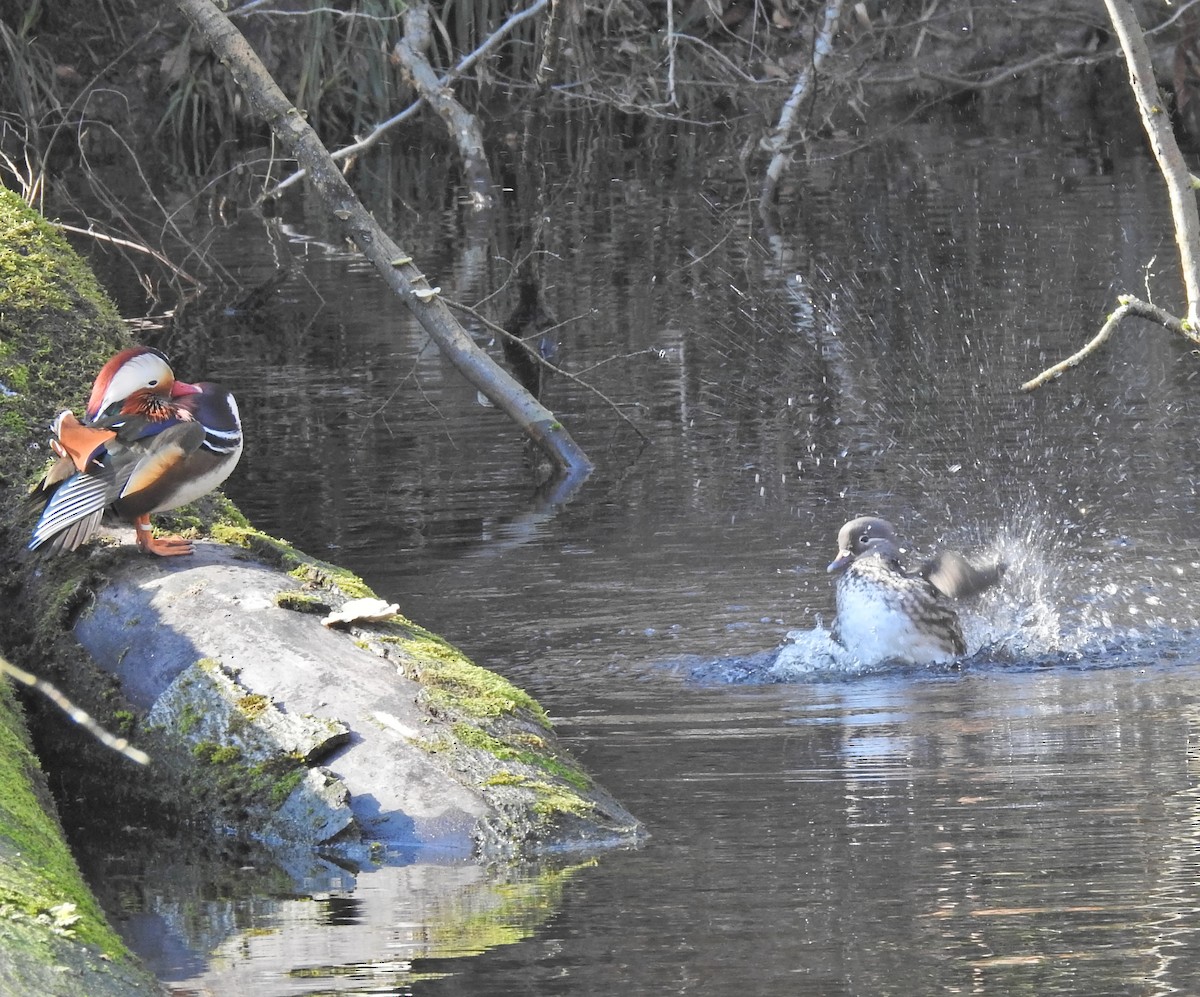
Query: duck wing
point(160, 464)
point(73, 512)
point(954, 576)
point(132, 471)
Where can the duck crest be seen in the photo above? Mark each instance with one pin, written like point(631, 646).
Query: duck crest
point(886, 613)
point(137, 372)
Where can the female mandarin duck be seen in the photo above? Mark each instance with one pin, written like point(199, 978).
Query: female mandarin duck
point(149, 443)
point(887, 614)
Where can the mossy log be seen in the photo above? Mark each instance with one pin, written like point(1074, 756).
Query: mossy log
point(366, 739)
point(378, 740)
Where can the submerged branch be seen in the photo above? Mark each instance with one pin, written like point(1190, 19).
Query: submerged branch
point(1128, 306)
point(462, 126)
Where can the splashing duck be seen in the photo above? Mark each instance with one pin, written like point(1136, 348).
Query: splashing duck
point(885, 613)
point(148, 443)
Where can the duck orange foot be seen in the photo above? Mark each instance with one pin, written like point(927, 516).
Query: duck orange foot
point(162, 546)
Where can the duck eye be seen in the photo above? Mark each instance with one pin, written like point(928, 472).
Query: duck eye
point(865, 538)
point(152, 383)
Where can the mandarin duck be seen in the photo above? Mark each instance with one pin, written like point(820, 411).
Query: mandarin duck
point(148, 443)
point(885, 613)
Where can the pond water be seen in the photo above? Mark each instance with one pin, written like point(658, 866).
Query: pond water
point(1025, 823)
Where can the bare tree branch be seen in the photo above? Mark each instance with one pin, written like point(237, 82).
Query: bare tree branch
point(91, 233)
point(462, 126)
point(1128, 306)
point(463, 64)
point(1180, 190)
point(1166, 150)
point(777, 141)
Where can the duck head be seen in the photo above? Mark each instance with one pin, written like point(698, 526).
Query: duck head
point(865, 535)
point(137, 381)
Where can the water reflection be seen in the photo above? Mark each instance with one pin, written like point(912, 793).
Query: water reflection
point(1026, 822)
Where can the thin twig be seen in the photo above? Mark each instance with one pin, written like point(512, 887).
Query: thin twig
point(127, 244)
point(1172, 19)
point(1128, 306)
point(725, 61)
point(671, 42)
point(80, 716)
point(466, 62)
point(501, 331)
point(1004, 74)
point(348, 14)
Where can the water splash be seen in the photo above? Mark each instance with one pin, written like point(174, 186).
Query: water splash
point(1067, 598)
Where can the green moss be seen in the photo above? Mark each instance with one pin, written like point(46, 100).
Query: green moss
point(189, 718)
point(254, 705)
point(12, 422)
point(211, 753)
point(15, 377)
point(474, 737)
point(229, 783)
point(56, 330)
point(282, 555)
point(68, 597)
point(553, 800)
point(550, 800)
point(124, 722)
point(455, 682)
point(505, 778)
point(301, 602)
point(38, 875)
point(283, 787)
point(35, 271)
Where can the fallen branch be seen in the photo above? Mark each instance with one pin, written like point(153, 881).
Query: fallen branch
point(462, 126)
point(394, 265)
point(1166, 150)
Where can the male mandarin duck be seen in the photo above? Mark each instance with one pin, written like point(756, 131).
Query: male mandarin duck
point(148, 443)
point(887, 614)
